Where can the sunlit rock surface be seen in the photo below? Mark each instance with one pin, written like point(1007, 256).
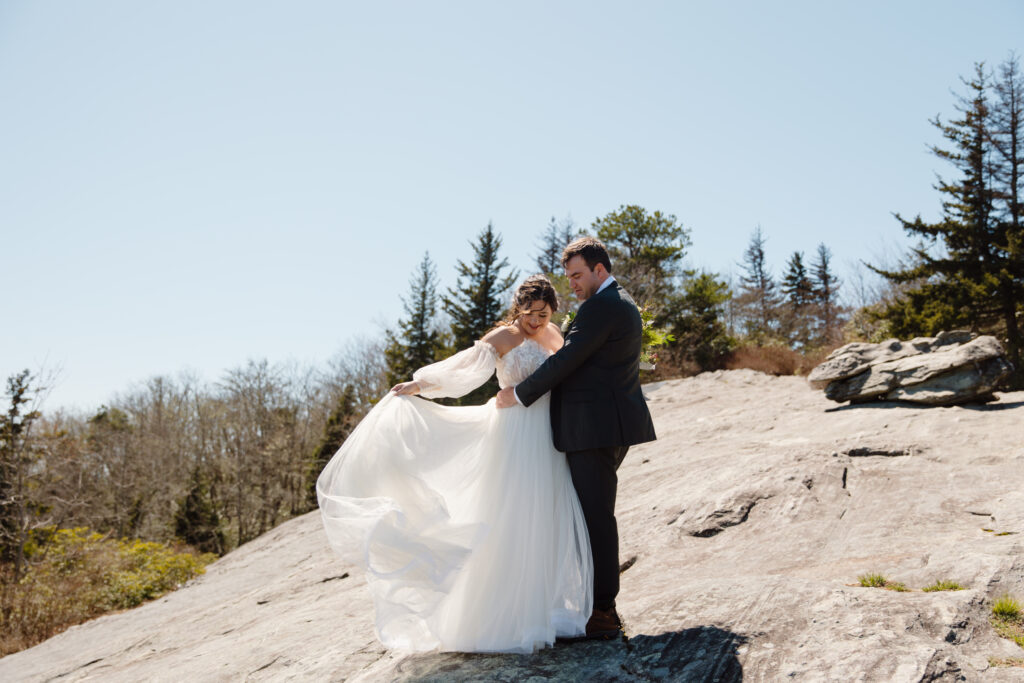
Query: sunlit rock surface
point(744, 529)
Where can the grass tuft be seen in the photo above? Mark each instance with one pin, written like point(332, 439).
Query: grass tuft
point(879, 581)
point(1006, 607)
point(1007, 619)
point(872, 580)
point(943, 586)
point(1008, 661)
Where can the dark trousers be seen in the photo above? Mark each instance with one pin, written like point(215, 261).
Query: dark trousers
point(594, 478)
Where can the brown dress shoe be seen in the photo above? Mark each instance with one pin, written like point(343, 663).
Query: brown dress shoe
point(604, 624)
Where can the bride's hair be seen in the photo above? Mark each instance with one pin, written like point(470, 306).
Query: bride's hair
point(533, 289)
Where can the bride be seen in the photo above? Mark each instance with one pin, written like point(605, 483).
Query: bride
point(465, 519)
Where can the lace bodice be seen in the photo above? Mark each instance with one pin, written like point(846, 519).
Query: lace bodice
point(458, 375)
point(520, 362)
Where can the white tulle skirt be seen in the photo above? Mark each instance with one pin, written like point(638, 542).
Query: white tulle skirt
point(466, 523)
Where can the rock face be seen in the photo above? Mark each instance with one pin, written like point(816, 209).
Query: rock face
point(743, 531)
point(949, 369)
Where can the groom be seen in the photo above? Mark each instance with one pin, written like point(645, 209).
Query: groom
point(597, 408)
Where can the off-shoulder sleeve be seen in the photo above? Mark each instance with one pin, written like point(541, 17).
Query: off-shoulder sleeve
point(459, 374)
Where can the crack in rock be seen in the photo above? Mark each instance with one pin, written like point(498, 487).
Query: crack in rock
point(721, 519)
point(77, 668)
point(867, 451)
point(268, 664)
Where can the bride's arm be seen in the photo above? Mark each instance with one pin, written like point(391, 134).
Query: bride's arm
point(454, 376)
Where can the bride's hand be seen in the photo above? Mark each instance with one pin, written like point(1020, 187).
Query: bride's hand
point(406, 389)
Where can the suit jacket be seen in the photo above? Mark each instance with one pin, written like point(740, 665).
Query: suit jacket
point(594, 379)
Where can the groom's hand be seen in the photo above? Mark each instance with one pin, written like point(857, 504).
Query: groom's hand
point(506, 398)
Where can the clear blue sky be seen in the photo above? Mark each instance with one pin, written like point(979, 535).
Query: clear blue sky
point(186, 185)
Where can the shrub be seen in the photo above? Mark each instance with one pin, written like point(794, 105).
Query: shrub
point(943, 586)
point(77, 574)
point(776, 359)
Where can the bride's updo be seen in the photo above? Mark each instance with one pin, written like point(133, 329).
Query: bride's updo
point(533, 289)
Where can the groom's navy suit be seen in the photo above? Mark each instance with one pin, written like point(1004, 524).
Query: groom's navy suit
point(597, 412)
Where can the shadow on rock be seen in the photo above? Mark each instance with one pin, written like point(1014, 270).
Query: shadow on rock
point(864, 405)
point(696, 654)
point(994, 406)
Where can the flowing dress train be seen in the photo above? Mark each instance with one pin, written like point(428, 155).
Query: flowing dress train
point(464, 519)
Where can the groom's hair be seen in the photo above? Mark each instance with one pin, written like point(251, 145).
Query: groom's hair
point(591, 249)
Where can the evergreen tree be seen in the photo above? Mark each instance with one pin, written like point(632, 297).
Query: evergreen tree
point(1007, 134)
point(759, 298)
point(972, 279)
point(339, 425)
point(646, 251)
point(553, 241)
point(196, 521)
point(799, 292)
point(826, 295)
point(16, 462)
point(418, 342)
point(556, 236)
point(696, 319)
point(478, 300)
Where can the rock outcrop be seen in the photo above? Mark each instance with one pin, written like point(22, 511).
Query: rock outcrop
point(948, 369)
point(743, 531)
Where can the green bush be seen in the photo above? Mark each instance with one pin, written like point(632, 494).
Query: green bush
point(76, 574)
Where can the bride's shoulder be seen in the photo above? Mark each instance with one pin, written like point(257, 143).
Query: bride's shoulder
point(504, 338)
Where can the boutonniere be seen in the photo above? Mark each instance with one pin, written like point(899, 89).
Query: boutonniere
point(567, 321)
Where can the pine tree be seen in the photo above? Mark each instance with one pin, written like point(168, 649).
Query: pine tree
point(555, 238)
point(418, 342)
point(796, 284)
point(758, 299)
point(1007, 134)
point(478, 300)
point(826, 295)
point(972, 279)
point(339, 425)
point(553, 241)
point(696, 319)
point(799, 292)
point(16, 462)
point(646, 251)
point(196, 521)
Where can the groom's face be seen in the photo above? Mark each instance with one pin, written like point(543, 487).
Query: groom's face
point(582, 279)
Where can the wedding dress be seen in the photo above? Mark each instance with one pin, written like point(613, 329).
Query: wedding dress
point(464, 519)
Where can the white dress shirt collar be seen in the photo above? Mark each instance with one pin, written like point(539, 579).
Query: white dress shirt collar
point(605, 284)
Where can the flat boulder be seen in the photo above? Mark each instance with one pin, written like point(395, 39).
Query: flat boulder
point(948, 369)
